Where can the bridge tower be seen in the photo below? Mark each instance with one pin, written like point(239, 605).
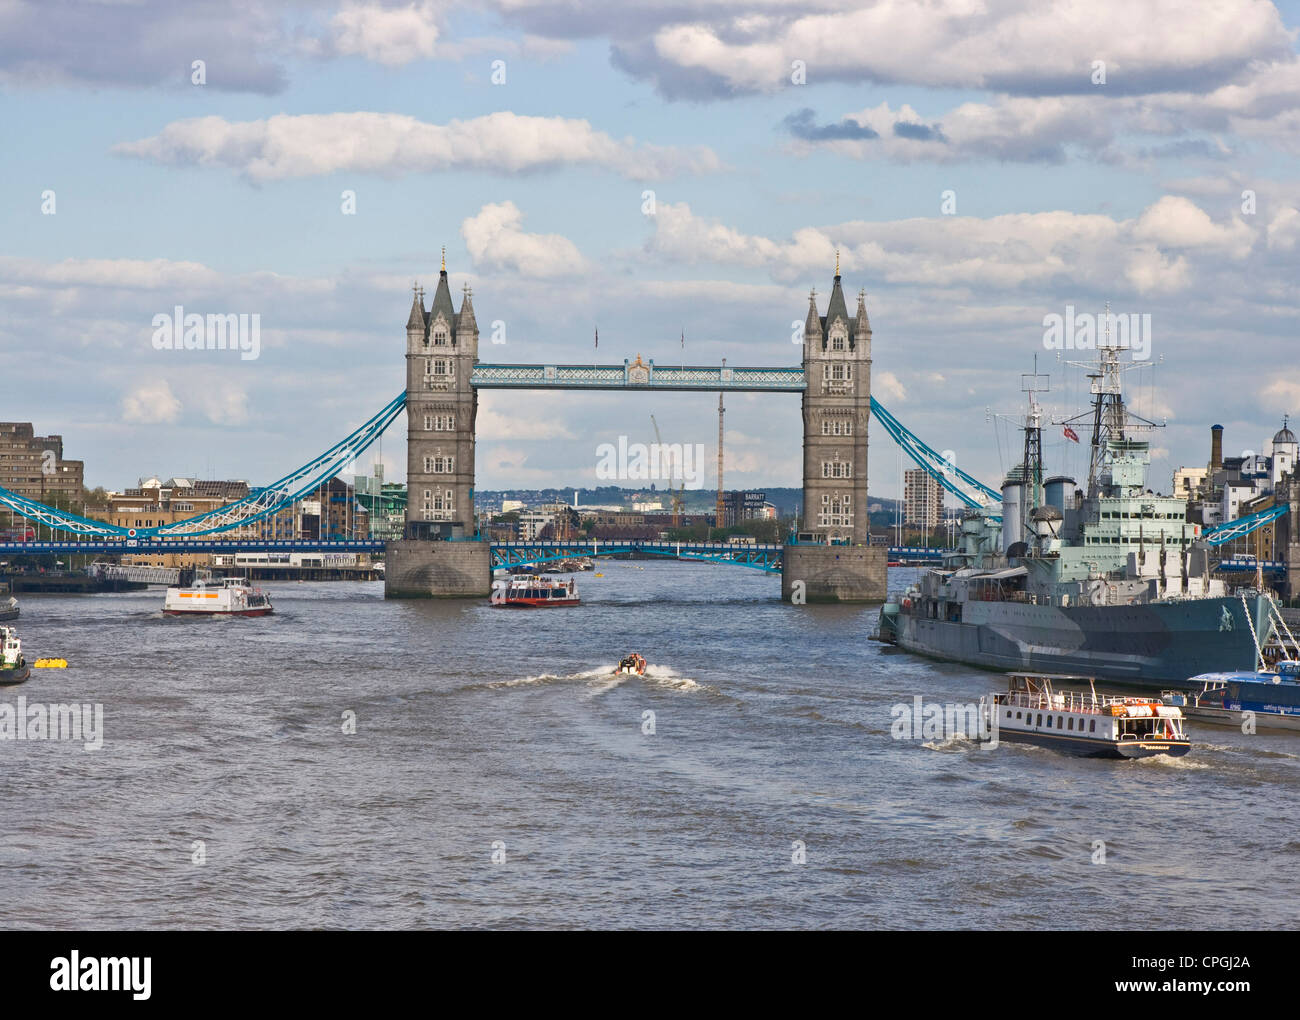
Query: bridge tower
point(832, 555)
point(440, 553)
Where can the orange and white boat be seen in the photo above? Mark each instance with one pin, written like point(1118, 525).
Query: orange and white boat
point(1084, 723)
point(232, 596)
point(528, 591)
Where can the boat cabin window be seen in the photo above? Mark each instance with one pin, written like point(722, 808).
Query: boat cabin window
point(1059, 721)
point(1018, 715)
point(1071, 722)
point(1092, 725)
point(1040, 719)
point(1008, 713)
point(1049, 722)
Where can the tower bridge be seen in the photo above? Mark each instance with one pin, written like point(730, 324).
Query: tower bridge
point(441, 553)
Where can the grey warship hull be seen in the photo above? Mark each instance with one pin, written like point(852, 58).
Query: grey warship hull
point(1157, 644)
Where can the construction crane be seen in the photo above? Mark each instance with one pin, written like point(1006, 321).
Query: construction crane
point(676, 494)
point(721, 412)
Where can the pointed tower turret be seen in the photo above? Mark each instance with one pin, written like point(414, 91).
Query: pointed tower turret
point(465, 323)
point(837, 312)
point(442, 316)
point(812, 327)
point(862, 324)
point(415, 321)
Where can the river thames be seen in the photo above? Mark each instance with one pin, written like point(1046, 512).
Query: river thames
point(499, 777)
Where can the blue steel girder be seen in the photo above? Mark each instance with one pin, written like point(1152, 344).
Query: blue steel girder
point(637, 376)
point(1218, 534)
point(512, 554)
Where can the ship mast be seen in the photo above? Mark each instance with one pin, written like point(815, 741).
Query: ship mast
point(1033, 456)
point(1111, 419)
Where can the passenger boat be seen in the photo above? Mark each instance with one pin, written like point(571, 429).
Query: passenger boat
point(527, 591)
point(13, 667)
point(232, 596)
point(8, 608)
point(1272, 694)
point(1080, 723)
point(631, 665)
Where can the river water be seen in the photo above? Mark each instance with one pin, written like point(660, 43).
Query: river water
point(770, 794)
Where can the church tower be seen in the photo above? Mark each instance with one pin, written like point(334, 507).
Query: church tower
point(836, 410)
point(441, 406)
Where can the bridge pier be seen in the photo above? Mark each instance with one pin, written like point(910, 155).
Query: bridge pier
point(814, 572)
point(417, 569)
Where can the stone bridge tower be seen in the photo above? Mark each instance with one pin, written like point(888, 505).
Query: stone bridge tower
point(440, 553)
point(836, 412)
point(833, 559)
point(441, 405)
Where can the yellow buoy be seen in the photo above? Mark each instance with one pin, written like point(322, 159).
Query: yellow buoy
point(51, 663)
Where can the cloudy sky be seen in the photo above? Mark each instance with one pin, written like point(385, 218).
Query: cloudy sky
point(980, 164)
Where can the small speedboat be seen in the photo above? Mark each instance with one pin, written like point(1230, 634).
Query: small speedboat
point(13, 667)
point(631, 665)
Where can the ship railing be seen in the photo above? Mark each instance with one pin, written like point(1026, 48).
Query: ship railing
point(1065, 701)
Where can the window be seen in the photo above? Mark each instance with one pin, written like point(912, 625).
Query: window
point(837, 342)
point(1008, 713)
point(1049, 722)
point(1059, 722)
point(837, 469)
point(1040, 719)
point(1071, 722)
point(440, 338)
point(1017, 715)
point(1092, 725)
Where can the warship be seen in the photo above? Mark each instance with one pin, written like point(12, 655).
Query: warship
point(1111, 582)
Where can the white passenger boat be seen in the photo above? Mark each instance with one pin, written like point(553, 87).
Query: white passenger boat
point(232, 596)
point(1083, 723)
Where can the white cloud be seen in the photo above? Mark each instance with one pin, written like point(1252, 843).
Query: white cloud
point(492, 424)
point(389, 35)
point(1045, 249)
point(151, 403)
point(886, 385)
point(1284, 230)
point(306, 145)
point(1028, 47)
point(222, 403)
point(1175, 222)
point(494, 240)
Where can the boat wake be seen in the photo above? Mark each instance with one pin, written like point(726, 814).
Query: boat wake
point(602, 679)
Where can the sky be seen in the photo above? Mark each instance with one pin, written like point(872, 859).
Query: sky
point(649, 170)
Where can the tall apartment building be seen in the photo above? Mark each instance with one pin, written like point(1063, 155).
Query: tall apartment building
point(33, 466)
point(922, 499)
